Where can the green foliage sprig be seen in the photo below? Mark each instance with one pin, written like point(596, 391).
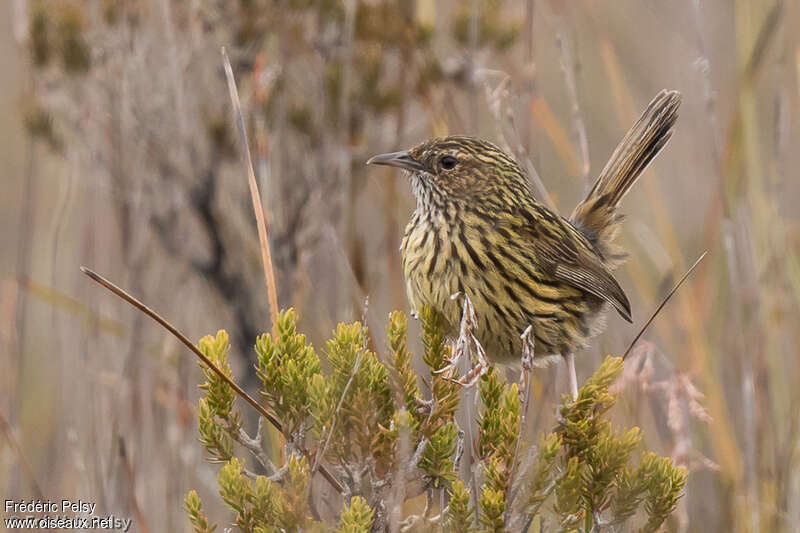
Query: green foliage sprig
point(286, 364)
point(587, 465)
point(359, 417)
point(194, 510)
point(356, 517)
point(218, 421)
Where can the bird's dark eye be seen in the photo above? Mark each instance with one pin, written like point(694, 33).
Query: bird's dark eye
point(449, 162)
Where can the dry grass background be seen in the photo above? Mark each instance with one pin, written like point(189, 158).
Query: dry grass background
point(125, 159)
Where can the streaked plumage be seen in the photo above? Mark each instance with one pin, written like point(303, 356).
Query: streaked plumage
point(477, 229)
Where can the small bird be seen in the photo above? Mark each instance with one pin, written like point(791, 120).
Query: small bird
point(479, 230)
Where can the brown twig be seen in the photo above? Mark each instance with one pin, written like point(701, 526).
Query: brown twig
point(261, 224)
point(208, 362)
point(253, 445)
point(662, 304)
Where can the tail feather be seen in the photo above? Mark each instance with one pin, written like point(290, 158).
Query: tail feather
point(596, 216)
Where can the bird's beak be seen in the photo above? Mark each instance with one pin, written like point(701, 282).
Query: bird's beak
point(396, 159)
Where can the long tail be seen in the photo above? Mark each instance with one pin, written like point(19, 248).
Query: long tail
point(596, 216)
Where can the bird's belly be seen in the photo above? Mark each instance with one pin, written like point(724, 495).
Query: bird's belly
point(430, 284)
point(506, 297)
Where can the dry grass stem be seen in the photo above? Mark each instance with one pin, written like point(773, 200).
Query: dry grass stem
point(662, 304)
point(20, 453)
point(261, 223)
point(577, 116)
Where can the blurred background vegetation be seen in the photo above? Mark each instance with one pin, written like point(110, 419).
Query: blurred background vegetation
point(119, 153)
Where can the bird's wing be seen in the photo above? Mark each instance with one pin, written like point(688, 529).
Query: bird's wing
point(568, 256)
point(598, 282)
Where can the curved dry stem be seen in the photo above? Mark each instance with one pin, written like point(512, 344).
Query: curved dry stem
point(208, 362)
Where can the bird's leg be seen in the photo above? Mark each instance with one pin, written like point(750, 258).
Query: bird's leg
point(464, 344)
point(569, 357)
point(527, 365)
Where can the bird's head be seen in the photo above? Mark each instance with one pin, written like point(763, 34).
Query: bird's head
point(457, 168)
